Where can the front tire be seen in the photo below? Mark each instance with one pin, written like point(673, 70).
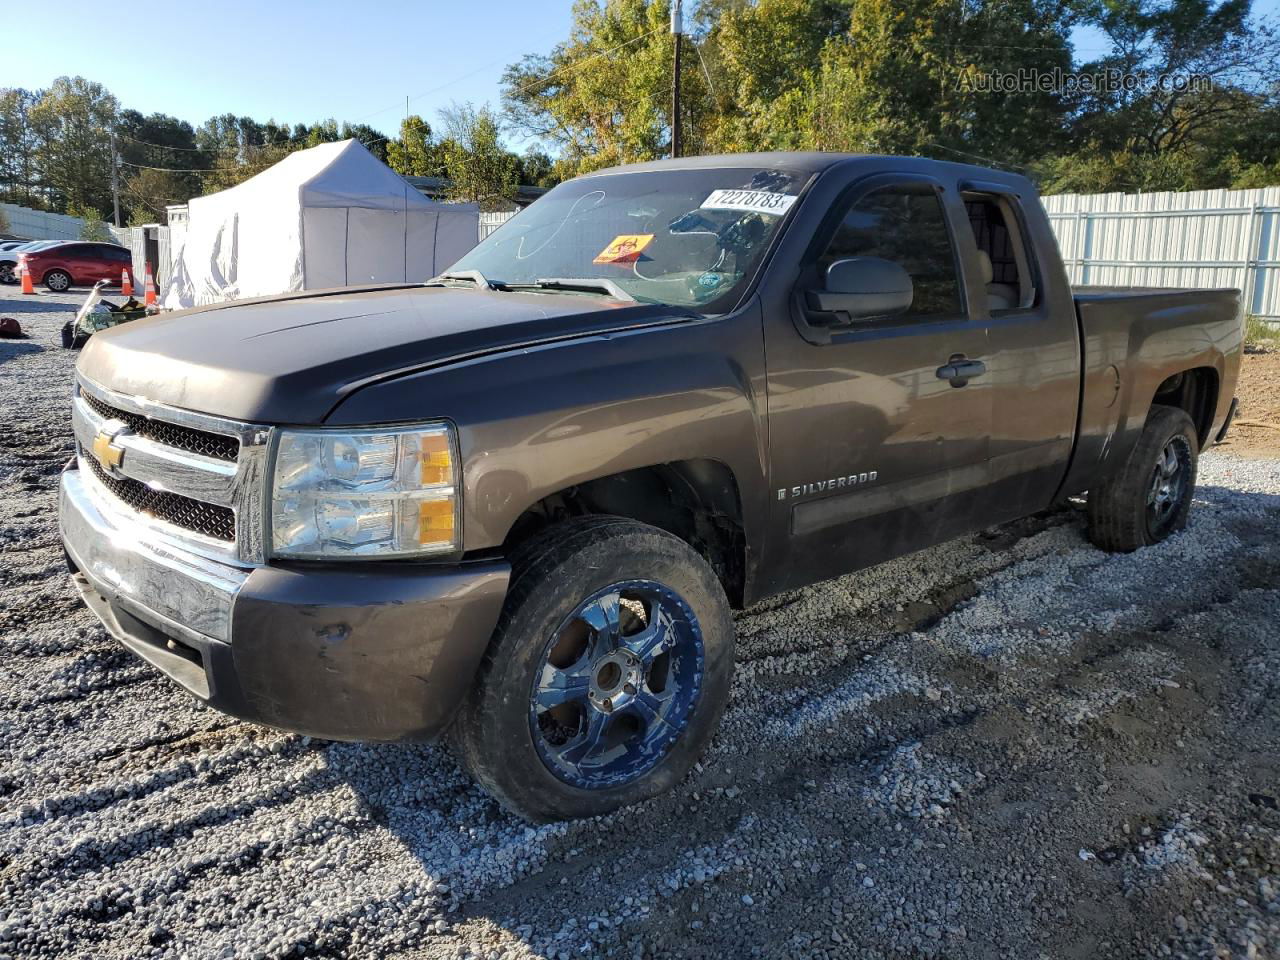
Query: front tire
point(57, 281)
point(606, 676)
point(1149, 498)
point(6, 273)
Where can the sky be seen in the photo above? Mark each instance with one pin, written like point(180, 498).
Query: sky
point(300, 62)
point(290, 61)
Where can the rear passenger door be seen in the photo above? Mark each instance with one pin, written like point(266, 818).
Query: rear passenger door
point(117, 259)
point(1033, 355)
point(101, 263)
point(874, 450)
point(69, 257)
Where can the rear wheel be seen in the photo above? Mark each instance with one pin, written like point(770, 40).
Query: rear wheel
point(606, 676)
point(57, 280)
point(6, 273)
point(1149, 498)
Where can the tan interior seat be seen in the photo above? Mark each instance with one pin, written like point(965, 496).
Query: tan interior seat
point(1000, 296)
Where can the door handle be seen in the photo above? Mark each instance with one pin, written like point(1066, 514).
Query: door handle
point(960, 371)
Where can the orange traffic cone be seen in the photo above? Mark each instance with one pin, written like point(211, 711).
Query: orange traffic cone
point(126, 285)
point(27, 286)
point(149, 296)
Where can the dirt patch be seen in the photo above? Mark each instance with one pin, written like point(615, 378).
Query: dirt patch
point(1256, 431)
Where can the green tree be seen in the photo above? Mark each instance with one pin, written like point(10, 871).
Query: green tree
point(415, 153)
point(148, 191)
point(907, 78)
point(94, 227)
point(4, 222)
point(1223, 131)
point(602, 97)
point(19, 148)
point(158, 154)
point(479, 168)
point(73, 119)
point(1192, 38)
point(375, 141)
point(537, 169)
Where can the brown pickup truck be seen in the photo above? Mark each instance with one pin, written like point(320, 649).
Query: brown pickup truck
point(520, 501)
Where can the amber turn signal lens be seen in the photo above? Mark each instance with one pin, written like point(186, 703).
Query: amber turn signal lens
point(435, 521)
point(437, 459)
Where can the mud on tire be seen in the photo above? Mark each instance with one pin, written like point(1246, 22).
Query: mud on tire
point(1149, 497)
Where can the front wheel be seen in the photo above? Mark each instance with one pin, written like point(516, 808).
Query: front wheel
point(1149, 497)
point(57, 280)
point(606, 676)
point(6, 273)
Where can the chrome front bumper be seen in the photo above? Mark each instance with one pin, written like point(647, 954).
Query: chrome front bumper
point(148, 573)
point(344, 651)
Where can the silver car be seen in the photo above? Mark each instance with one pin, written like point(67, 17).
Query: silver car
point(9, 251)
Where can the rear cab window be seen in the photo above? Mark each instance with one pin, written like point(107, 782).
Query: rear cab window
point(1008, 264)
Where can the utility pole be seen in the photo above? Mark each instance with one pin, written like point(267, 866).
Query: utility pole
point(677, 35)
point(115, 177)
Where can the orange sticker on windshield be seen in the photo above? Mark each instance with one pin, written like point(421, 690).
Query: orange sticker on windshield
point(625, 248)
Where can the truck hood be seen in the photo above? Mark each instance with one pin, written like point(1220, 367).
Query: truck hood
point(291, 359)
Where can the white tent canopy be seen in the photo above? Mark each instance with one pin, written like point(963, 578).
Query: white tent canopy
point(330, 216)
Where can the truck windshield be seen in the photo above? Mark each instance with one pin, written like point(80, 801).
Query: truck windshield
point(689, 238)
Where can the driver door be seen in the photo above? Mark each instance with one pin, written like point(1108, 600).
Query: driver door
point(874, 452)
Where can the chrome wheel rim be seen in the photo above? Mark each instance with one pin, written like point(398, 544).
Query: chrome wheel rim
point(617, 684)
point(1169, 484)
point(58, 281)
point(6, 273)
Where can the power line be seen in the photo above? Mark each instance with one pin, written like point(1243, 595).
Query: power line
point(567, 67)
point(974, 156)
point(143, 166)
point(161, 146)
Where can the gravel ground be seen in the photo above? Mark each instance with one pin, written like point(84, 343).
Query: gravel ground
point(1012, 745)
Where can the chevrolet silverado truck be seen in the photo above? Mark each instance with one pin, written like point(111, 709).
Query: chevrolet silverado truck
point(519, 502)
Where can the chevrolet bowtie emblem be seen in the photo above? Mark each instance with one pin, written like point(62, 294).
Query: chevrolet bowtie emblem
point(106, 452)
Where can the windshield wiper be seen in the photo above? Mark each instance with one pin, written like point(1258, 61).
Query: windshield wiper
point(580, 284)
point(474, 276)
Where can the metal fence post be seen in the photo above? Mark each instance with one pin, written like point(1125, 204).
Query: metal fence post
point(1252, 258)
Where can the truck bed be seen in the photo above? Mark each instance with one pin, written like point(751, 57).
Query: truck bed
point(1132, 339)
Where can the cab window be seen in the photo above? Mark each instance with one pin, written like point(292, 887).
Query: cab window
point(905, 224)
point(1004, 258)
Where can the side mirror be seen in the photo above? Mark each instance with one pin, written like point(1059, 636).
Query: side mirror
point(863, 288)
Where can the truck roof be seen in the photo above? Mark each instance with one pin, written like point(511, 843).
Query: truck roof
point(814, 161)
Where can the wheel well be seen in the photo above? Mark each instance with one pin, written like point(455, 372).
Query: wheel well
point(1196, 392)
point(696, 500)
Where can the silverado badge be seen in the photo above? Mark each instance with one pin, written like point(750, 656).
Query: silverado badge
point(106, 452)
point(826, 486)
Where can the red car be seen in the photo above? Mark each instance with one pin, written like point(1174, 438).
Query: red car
point(81, 264)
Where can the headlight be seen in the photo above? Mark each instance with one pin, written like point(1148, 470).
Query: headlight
point(365, 493)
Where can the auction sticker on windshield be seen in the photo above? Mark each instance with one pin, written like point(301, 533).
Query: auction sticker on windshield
point(756, 201)
point(624, 249)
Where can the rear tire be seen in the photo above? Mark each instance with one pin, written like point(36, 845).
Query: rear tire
point(6, 273)
point(1149, 497)
point(57, 281)
point(606, 676)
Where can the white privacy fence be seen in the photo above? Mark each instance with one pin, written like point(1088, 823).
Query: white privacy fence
point(490, 222)
point(1200, 238)
point(41, 225)
point(149, 245)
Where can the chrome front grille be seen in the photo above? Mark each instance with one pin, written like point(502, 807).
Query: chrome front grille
point(172, 508)
point(188, 475)
point(215, 445)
